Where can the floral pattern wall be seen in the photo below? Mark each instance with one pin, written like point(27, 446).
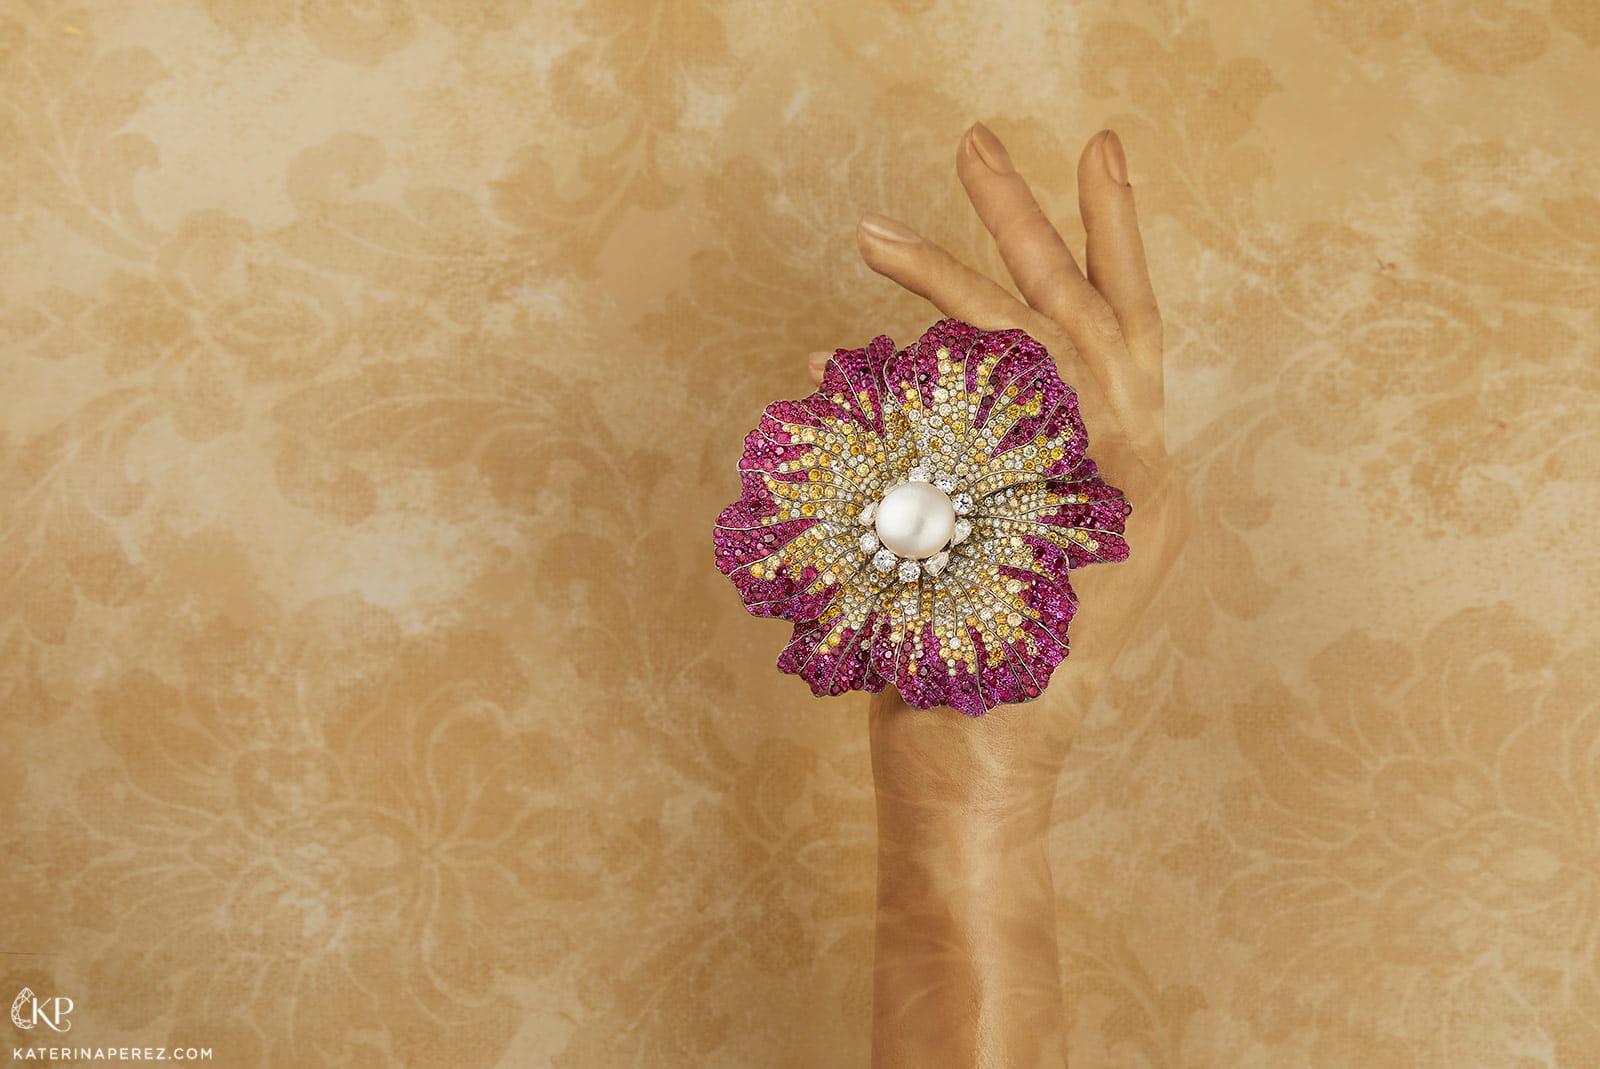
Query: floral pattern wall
point(370, 374)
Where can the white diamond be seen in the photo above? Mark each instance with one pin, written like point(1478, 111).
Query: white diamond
point(962, 531)
point(937, 563)
point(884, 561)
point(869, 543)
point(867, 513)
point(945, 481)
point(918, 474)
point(909, 570)
point(962, 503)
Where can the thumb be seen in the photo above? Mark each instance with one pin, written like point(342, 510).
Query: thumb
point(818, 362)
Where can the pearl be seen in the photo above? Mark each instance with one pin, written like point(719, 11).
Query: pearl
point(915, 520)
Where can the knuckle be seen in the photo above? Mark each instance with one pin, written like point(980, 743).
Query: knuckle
point(1023, 224)
point(944, 270)
point(1101, 324)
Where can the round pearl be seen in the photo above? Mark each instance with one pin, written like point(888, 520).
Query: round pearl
point(915, 520)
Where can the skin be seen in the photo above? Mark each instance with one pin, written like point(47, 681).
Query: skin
point(966, 967)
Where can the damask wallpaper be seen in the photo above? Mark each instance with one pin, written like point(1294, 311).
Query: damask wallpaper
point(372, 373)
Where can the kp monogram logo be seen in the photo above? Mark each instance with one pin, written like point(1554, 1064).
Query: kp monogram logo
point(27, 1011)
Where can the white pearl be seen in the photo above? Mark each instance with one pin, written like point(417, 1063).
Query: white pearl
point(915, 520)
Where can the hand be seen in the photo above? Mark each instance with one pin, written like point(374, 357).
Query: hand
point(965, 964)
point(1104, 330)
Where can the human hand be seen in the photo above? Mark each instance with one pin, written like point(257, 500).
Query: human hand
point(1104, 330)
point(966, 970)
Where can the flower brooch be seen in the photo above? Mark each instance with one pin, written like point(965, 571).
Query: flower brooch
point(917, 516)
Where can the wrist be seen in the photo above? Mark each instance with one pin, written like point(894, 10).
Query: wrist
point(965, 961)
point(936, 768)
point(953, 867)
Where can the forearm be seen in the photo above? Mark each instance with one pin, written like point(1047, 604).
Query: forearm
point(965, 966)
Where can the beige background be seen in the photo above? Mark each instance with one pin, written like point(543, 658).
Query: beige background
point(372, 373)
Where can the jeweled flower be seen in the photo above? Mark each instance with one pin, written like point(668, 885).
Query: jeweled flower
point(916, 518)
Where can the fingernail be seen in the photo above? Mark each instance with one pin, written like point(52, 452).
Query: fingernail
point(818, 361)
point(881, 226)
point(990, 150)
point(1111, 155)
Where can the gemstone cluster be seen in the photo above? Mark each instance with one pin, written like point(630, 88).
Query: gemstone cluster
point(917, 517)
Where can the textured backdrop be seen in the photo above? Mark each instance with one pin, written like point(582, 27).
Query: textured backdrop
point(373, 370)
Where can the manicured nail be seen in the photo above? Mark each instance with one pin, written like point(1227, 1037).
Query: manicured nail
point(818, 362)
point(881, 226)
point(990, 150)
point(1111, 155)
